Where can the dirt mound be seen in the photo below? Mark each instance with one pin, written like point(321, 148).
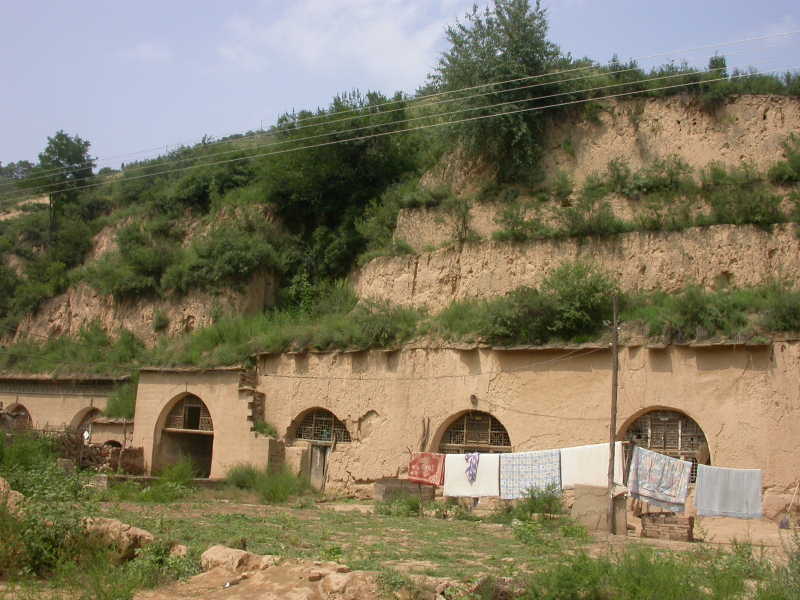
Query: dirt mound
point(291, 580)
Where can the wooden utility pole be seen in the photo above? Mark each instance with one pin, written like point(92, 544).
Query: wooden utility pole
point(613, 427)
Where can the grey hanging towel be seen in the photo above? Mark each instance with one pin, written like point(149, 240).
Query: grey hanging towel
point(728, 492)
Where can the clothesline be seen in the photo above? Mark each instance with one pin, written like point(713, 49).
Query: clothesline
point(655, 478)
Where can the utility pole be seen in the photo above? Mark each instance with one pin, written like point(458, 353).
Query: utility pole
point(613, 428)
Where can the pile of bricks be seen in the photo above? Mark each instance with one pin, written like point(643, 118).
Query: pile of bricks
point(667, 526)
point(390, 488)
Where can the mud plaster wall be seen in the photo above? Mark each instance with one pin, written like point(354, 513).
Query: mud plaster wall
point(54, 411)
point(639, 260)
point(746, 399)
point(228, 405)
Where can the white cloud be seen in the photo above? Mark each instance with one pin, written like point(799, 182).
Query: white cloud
point(149, 51)
point(785, 25)
point(391, 42)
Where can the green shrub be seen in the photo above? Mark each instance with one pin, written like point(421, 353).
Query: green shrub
point(665, 212)
point(122, 401)
point(271, 487)
point(590, 214)
point(522, 317)
point(788, 170)
point(783, 311)
point(456, 214)
point(516, 227)
point(381, 325)
point(401, 506)
point(264, 428)
point(582, 296)
point(670, 174)
point(160, 321)
point(561, 186)
point(740, 206)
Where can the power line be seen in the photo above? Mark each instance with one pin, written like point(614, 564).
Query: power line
point(527, 78)
point(446, 123)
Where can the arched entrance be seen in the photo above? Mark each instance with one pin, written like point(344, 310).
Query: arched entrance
point(323, 431)
point(17, 419)
point(672, 433)
point(187, 431)
point(475, 431)
point(83, 423)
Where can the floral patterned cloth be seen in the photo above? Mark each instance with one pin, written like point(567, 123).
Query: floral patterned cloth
point(659, 479)
point(521, 471)
point(427, 468)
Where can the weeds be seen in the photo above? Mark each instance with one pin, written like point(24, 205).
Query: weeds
point(271, 487)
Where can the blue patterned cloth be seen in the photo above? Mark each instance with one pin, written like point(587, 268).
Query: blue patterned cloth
point(659, 480)
point(472, 466)
point(521, 471)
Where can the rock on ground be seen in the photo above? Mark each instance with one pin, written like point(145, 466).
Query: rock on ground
point(125, 538)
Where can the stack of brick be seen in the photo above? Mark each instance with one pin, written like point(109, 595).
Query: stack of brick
point(667, 526)
point(391, 488)
point(277, 455)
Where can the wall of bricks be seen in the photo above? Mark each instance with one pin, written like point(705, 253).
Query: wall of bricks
point(667, 526)
point(277, 455)
point(390, 488)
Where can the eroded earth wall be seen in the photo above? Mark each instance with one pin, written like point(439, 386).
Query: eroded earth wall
point(646, 261)
point(745, 398)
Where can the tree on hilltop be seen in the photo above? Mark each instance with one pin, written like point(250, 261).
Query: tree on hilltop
point(505, 43)
point(64, 167)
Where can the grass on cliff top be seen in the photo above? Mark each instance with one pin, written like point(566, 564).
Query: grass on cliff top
point(570, 306)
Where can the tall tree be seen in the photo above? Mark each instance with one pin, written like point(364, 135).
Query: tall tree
point(64, 167)
point(505, 43)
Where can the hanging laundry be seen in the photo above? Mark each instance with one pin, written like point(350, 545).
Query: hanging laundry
point(472, 465)
point(659, 480)
point(487, 477)
point(427, 468)
point(728, 492)
point(588, 465)
point(521, 471)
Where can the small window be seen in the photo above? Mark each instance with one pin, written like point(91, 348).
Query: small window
point(190, 413)
point(475, 432)
point(322, 426)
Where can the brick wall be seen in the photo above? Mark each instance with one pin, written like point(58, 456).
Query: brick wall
point(667, 526)
point(388, 489)
point(277, 455)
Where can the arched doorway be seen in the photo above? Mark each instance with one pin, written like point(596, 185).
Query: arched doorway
point(18, 418)
point(323, 431)
point(84, 424)
point(188, 431)
point(475, 431)
point(672, 433)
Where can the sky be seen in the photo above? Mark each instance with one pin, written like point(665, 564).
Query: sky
point(139, 77)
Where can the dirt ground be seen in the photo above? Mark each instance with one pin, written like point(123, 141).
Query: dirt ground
point(303, 579)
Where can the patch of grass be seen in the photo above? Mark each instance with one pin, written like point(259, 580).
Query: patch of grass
point(264, 428)
point(271, 487)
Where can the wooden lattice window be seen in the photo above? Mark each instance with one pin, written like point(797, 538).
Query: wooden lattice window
point(322, 426)
point(475, 432)
point(190, 413)
point(672, 433)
